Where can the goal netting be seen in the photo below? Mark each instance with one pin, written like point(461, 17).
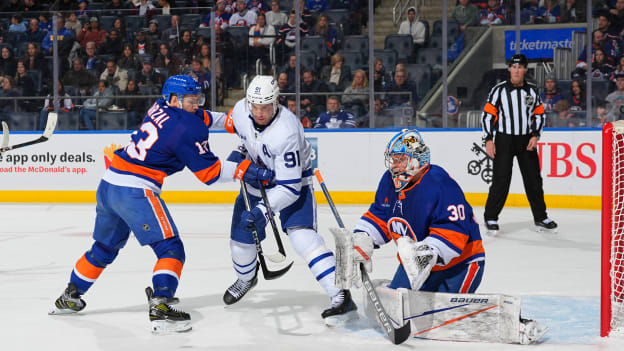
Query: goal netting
point(612, 299)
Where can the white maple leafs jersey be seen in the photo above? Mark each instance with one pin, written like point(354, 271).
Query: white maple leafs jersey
point(280, 147)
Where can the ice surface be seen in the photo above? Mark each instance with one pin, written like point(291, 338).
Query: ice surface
point(558, 276)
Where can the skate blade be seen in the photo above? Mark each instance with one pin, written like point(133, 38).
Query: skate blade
point(56, 311)
point(545, 230)
point(492, 232)
point(166, 327)
point(341, 320)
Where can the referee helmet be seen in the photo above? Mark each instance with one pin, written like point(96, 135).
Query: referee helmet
point(518, 59)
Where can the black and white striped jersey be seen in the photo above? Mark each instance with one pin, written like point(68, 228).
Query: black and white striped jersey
point(513, 110)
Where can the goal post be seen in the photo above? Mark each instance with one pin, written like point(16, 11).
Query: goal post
point(612, 223)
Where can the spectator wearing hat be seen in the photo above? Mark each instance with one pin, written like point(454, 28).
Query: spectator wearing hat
point(83, 11)
point(92, 32)
point(222, 16)
point(243, 17)
point(615, 100)
point(551, 94)
point(413, 27)
point(153, 32)
point(147, 76)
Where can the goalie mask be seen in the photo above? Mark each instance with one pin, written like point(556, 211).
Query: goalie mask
point(405, 156)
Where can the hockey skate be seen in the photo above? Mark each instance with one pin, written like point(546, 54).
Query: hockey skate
point(240, 287)
point(492, 227)
point(547, 225)
point(339, 310)
point(531, 331)
point(164, 318)
point(68, 302)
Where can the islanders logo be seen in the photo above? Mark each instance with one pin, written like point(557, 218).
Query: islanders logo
point(109, 151)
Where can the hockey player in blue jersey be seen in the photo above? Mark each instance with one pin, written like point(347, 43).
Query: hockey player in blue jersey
point(272, 136)
point(420, 207)
point(174, 135)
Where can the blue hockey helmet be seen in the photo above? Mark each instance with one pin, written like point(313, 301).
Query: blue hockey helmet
point(181, 85)
point(405, 156)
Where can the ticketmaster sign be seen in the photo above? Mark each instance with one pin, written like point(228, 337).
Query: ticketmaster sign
point(539, 43)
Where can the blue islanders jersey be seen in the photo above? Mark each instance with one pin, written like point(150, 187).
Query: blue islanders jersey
point(168, 140)
point(433, 210)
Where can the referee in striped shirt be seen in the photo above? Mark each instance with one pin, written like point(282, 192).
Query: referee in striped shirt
point(513, 118)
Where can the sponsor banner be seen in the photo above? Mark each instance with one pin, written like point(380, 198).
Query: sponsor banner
point(351, 162)
point(539, 43)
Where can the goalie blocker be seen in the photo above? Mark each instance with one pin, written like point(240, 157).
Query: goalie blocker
point(457, 317)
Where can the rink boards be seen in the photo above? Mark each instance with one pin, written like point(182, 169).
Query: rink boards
point(69, 166)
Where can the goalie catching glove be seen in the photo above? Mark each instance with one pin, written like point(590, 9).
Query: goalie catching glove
point(418, 258)
point(351, 250)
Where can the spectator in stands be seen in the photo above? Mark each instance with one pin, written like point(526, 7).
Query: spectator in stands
point(79, 77)
point(166, 59)
point(91, 32)
point(601, 68)
point(200, 75)
point(44, 23)
point(400, 84)
point(72, 23)
point(134, 105)
point(323, 29)
point(284, 87)
point(16, 24)
point(117, 8)
point(222, 16)
point(153, 32)
point(380, 76)
point(142, 45)
point(185, 46)
point(619, 68)
point(493, 14)
point(8, 63)
point(93, 63)
point(336, 75)
point(83, 11)
point(34, 34)
point(63, 5)
point(145, 8)
point(549, 12)
point(261, 37)
point(257, 6)
point(115, 76)
point(466, 14)
point(314, 104)
point(243, 17)
point(171, 34)
point(13, 6)
point(92, 105)
point(318, 6)
point(147, 76)
point(551, 94)
point(334, 117)
point(165, 7)
point(564, 117)
point(290, 68)
point(120, 27)
point(30, 6)
point(574, 11)
point(412, 26)
point(577, 96)
point(129, 59)
point(26, 85)
point(604, 25)
point(287, 36)
point(9, 91)
point(615, 100)
point(33, 60)
point(383, 117)
point(275, 17)
point(66, 105)
point(617, 14)
point(113, 45)
point(599, 41)
point(291, 104)
point(64, 36)
point(601, 114)
point(355, 97)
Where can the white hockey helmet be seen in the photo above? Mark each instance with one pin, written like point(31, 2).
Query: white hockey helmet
point(410, 147)
point(263, 90)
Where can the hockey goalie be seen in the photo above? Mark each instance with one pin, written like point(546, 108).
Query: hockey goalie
point(441, 259)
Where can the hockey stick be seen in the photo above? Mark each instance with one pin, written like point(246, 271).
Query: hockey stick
point(396, 335)
point(268, 274)
point(5, 135)
point(47, 133)
point(281, 255)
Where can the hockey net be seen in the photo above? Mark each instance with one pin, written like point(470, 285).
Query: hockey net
point(612, 299)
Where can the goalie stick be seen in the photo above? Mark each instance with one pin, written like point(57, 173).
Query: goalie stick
point(268, 274)
point(47, 133)
point(281, 255)
point(396, 335)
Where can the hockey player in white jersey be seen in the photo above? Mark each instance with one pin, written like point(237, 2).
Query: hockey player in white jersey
point(273, 137)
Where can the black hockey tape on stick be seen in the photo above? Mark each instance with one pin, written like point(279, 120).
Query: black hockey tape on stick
point(47, 133)
point(268, 274)
point(281, 255)
point(396, 335)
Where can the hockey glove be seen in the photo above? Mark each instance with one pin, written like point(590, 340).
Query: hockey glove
point(418, 258)
point(254, 219)
point(249, 172)
point(351, 250)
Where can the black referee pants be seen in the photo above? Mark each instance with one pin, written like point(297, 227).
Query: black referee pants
point(508, 147)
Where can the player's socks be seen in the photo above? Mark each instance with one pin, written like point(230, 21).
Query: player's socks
point(68, 302)
point(240, 287)
point(340, 304)
point(165, 318)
